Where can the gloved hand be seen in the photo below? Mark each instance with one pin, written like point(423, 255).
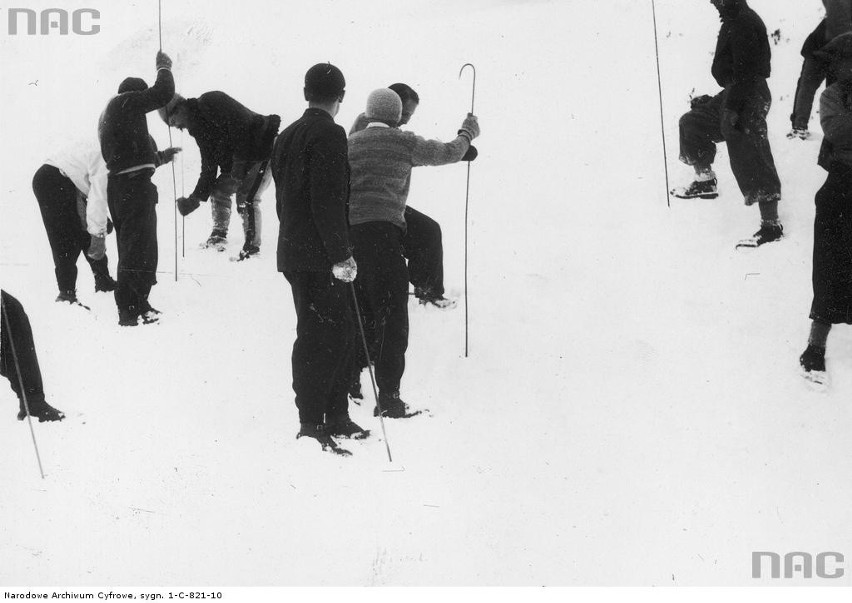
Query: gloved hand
point(470, 154)
point(697, 101)
point(187, 205)
point(169, 154)
point(97, 247)
point(470, 127)
point(110, 226)
point(346, 270)
point(163, 61)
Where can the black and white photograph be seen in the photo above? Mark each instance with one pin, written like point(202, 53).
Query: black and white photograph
point(485, 293)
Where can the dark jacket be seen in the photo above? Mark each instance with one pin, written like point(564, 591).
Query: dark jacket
point(311, 171)
point(815, 40)
point(742, 53)
point(123, 127)
point(226, 130)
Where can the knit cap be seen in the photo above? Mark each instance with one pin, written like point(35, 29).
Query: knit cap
point(384, 105)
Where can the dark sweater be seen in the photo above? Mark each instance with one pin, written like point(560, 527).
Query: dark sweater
point(123, 126)
point(311, 171)
point(225, 130)
point(742, 53)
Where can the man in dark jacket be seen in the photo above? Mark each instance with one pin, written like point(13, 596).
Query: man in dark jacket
point(736, 115)
point(131, 157)
point(235, 141)
point(311, 171)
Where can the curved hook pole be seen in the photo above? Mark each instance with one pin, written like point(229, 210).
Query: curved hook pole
point(473, 91)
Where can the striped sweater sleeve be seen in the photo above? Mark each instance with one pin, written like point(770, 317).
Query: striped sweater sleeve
point(435, 152)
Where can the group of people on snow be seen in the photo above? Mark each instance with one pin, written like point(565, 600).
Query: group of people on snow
point(345, 228)
point(737, 116)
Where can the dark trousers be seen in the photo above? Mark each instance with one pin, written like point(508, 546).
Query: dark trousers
point(133, 205)
point(382, 286)
point(16, 332)
point(832, 258)
point(814, 71)
point(424, 249)
point(325, 340)
point(748, 146)
point(66, 232)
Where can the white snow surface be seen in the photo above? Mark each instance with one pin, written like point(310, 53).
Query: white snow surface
point(630, 412)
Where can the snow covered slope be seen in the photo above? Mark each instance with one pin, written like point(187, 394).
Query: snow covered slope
point(630, 412)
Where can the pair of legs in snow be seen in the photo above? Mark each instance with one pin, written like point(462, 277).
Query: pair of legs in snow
point(832, 267)
point(745, 133)
point(19, 361)
point(248, 180)
point(382, 289)
point(63, 211)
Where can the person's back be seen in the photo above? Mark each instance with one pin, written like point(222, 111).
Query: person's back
point(123, 126)
point(305, 154)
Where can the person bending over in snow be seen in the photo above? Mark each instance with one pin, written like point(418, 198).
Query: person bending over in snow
point(311, 190)
point(131, 157)
point(421, 243)
point(19, 361)
point(71, 192)
point(832, 254)
point(381, 157)
point(236, 142)
point(736, 115)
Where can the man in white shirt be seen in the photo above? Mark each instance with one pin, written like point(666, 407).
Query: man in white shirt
point(71, 191)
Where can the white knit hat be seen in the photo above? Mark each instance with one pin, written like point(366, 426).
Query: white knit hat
point(385, 105)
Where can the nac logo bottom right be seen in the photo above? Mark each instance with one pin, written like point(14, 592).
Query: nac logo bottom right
point(766, 564)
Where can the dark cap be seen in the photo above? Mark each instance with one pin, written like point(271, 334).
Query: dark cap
point(132, 84)
point(324, 79)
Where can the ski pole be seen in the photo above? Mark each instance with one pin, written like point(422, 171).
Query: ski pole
point(174, 176)
point(370, 369)
point(21, 384)
point(466, 204)
point(660, 91)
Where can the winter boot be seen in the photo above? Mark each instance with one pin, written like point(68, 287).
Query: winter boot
point(800, 133)
point(217, 240)
point(768, 233)
point(104, 283)
point(698, 189)
point(248, 251)
point(812, 362)
point(68, 295)
point(344, 427)
point(427, 297)
point(149, 314)
point(393, 407)
point(41, 411)
point(320, 434)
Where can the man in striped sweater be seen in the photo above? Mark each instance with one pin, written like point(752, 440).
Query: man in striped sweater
point(422, 243)
point(381, 157)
